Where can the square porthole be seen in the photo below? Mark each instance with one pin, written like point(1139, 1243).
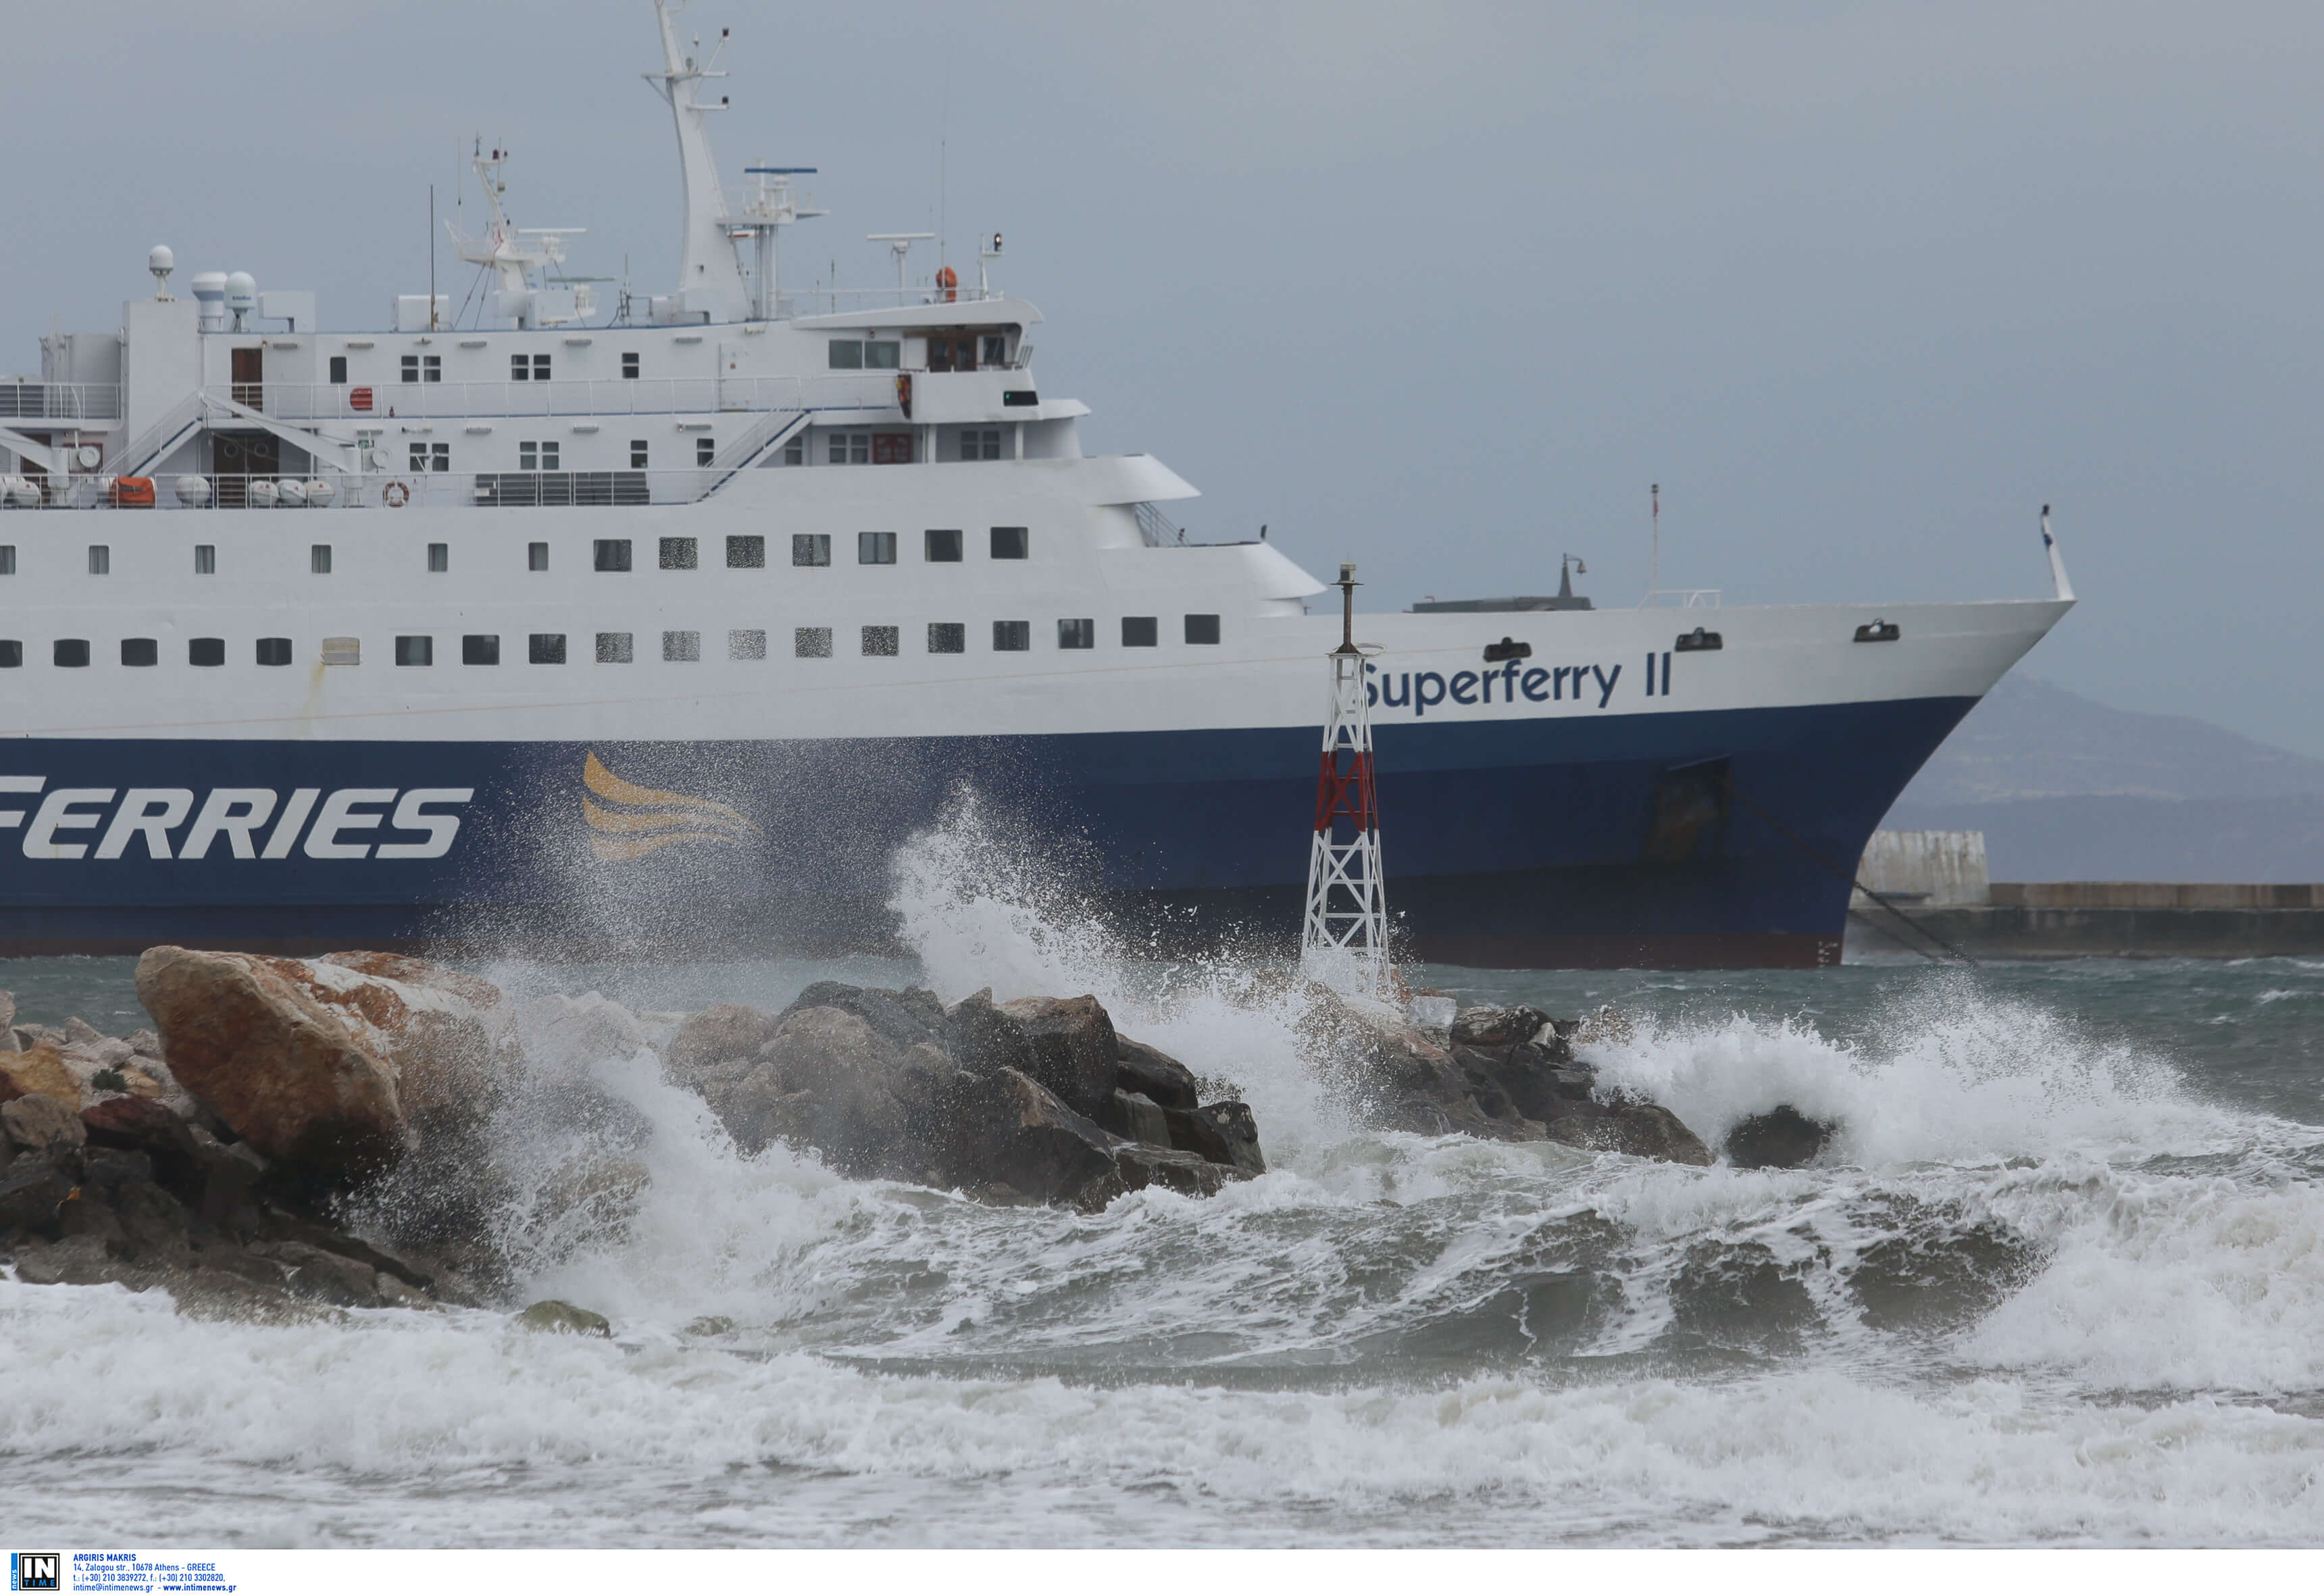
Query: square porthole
point(415, 651)
point(883, 643)
point(612, 554)
point(1202, 629)
point(318, 559)
point(613, 648)
point(747, 552)
point(12, 653)
point(1077, 634)
point(875, 549)
point(810, 548)
point(100, 559)
point(748, 644)
point(811, 642)
point(1011, 543)
point(141, 650)
point(948, 637)
point(545, 648)
point(680, 554)
point(7, 560)
point(681, 648)
point(944, 546)
point(1140, 631)
point(273, 651)
point(206, 650)
point(439, 556)
point(205, 559)
point(1011, 637)
point(480, 648)
point(70, 652)
point(536, 557)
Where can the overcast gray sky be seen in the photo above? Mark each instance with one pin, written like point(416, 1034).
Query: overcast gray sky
point(1442, 288)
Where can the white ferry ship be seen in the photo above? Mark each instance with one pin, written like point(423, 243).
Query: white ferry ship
point(662, 622)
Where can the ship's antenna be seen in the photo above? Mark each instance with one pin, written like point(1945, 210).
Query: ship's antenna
point(431, 257)
point(1654, 554)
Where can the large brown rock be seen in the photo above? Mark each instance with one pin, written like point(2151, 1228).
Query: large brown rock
point(721, 1032)
point(42, 1124)
point(1074, 1046)
point(37, 1070)
point(253, 1039)
point(1642, 1129)
point(1153, 1074)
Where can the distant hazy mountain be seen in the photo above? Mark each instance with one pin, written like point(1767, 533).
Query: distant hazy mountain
point(2031, 739)
point(2068, 789)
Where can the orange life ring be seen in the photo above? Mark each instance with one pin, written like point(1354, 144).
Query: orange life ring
point(949, 281)
point(395, 496)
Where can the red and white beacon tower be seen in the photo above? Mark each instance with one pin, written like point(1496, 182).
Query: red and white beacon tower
point(1343, 942)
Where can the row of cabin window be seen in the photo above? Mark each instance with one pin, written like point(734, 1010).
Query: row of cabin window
point(744, 552)
point(523, 368)
point(616, 648)
point(890, 448)
point(547, 455)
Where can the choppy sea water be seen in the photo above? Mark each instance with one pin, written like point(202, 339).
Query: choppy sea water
point(2062, 1281)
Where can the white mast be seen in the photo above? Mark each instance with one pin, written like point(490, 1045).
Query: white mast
point(709, 276)
point(1343, 934)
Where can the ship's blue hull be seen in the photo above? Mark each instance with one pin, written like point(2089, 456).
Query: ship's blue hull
point(1679, 839)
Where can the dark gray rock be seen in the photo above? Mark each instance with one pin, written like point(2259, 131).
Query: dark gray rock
point(983, 1040)
point(31, 1191)
point(906, 1017)
point(551, 1317)
point(1222, 1133)
point(727, 1030)
point(1781, 1139)
point(1024, 1139)
point(1493, 1028)
point(1135, 1117)
point(1073, 1044)
point(1642, 1129)
point(1153, 1074)
point(326, 1276)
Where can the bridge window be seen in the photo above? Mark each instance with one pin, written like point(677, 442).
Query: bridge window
point(746, 552)
point(980, 443)
point(996, 349)
point(681, 648)
point(100, 559)
point(795, 451)
point(948, 637)
point(521, 366)
point(749, 644)
point(536, 457)
point(680, 554)
point(849, 448)
point(1202, 629)
point(431, 457)
point(811, 642)
point(613, 648)
point(849, 354)
point(545, 648)
point(883, 642)
point(423, 367)
point(415, 651)
point(810, 548)
point(275, 651)
point(1140, 631)
point(1013, 637)
point(875, 549)
point(206, 650)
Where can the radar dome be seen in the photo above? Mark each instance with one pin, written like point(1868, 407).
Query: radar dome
point(242, 292)
point(161, 260)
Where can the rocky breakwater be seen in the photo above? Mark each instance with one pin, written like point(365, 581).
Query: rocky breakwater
point(1516, 1075)
point(216, 1157)
point(1035, 1100)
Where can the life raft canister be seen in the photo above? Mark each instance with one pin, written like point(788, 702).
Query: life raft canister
point(948, 279)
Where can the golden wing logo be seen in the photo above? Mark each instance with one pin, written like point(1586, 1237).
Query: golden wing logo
point(635, 821)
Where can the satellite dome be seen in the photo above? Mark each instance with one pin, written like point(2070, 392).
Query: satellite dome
point(242, 292)
point(161, 260)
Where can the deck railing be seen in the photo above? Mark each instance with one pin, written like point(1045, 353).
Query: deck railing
point(30, 399)
point(359, 403)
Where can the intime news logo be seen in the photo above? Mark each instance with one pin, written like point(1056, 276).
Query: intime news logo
point(36, 1570)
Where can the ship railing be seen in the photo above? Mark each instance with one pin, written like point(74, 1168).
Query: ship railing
point(362, 405)
point(834, 301)
point(34, 399)
point(376, 490)
point(1681, 598)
